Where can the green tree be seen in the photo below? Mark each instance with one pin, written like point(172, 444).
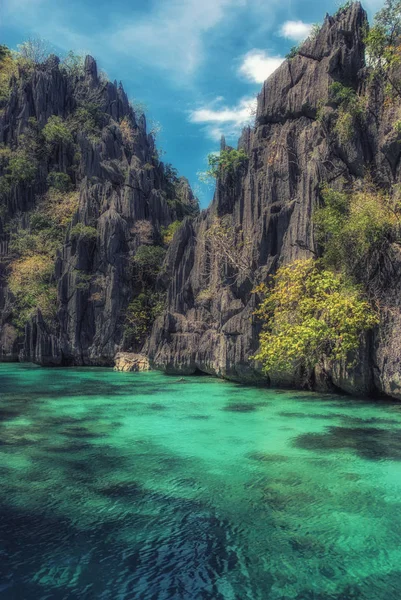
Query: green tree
point(168, 232)
point(350, 110)
point(56, 131)
point(148, 261)
point(310, 314)
point(383, 45)
point(83, 232)
point(225, 163)
point(355, 229)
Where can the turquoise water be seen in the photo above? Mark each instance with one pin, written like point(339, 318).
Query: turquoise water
point(119, 486)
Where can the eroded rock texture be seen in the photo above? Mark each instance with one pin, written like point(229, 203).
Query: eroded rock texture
point(121, 183)
point(209, 325)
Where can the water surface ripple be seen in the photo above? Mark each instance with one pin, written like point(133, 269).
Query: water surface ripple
point(120, 486)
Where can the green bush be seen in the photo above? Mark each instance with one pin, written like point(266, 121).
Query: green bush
point(59, 181)
point(310, 314)
point(148, 261)
point(292, 53)
point(73, 64)
point(140, 315)
point(397, 127)
point(350, 111)
point(56, 131)
point(83, 232)
point(226, 162)
point(343, 7)
point(168, 232)
point(31, 283)
point(355, 228)
point(8, 69)
point(83, 280)
point(383, 47)
point(87, 119)
point(22, 167)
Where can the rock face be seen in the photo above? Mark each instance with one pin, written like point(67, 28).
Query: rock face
point(266, 205)
point(209, 325)
point(127, 361)
point(125, 195)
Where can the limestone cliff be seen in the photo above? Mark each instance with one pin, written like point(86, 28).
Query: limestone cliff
point(209, 325)
point(125, 197)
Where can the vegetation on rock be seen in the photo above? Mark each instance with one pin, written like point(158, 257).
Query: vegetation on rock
point(383, 46)
point(355, 230)
point(310, 314)
point(226, 162)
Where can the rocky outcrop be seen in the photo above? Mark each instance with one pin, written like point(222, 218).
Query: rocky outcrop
point(124, 190)
point(209, 325)
point(127, 198)
point(127, 362)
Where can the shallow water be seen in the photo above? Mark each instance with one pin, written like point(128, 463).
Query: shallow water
point(121, 486)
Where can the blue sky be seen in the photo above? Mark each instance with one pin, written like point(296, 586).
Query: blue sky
point(196, 64)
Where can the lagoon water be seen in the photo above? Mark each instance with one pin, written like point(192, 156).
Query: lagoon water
point(121, 486)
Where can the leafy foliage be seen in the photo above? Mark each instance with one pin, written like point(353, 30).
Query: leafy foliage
point(87, 119)
point(127, 131)
point(140, 315)
point(21, 165)
point(383, 45)
point(73, 64)
point(310, 313)
point(293, 52)
point(148, 304)
point(168, 232)
point(59, 181)
point(56, 131)
point(8, 68)
point(31, 282)
point(351, 110)
point(59, 207)
point(148, 262)
point(226, 162)
point(34, 248)
point(355, 228)
point(83, 232)
point(344, 6)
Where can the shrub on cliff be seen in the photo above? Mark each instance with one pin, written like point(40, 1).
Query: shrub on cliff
point(225, 163)
point(8, 68)
point(168, 232)
point(310, 313)
point(350, 110)
point(56, 131)
point(21, 165)
point(59, 181)
point(355, 229)
point(140, 315)
point(127, 131)
point(383, 46)
point(148, 262)
point(83, 232)
point(31, 284)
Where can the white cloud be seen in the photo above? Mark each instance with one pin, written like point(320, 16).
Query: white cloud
point(295, 30)
point(172, 35)
point(257, 65)
point(224, 120)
